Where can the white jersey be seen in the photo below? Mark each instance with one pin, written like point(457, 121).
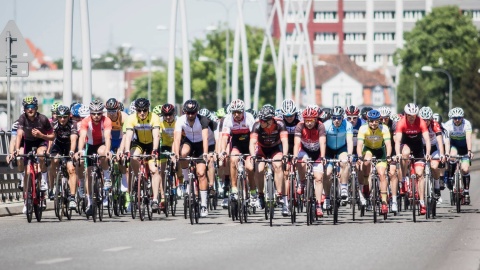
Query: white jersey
point(238, 129)
point(458, 134)
point(192, 133)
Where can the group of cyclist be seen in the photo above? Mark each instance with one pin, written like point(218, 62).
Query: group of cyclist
point(350, 135)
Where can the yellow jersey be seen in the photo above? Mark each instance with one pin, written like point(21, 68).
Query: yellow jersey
point(142, 128)
point(373, 139)
point(166, 130)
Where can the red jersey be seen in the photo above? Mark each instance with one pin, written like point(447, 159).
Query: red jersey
point(412, 133)
point(95, 131)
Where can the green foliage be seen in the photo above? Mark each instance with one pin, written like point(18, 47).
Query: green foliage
point(444, 39)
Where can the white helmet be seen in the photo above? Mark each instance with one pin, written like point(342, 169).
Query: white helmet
point(288, 107)
point(237, 105)
point(132, 108)
point(411, 109)
point(456, 112)
point(426, 113)
point(395, 117)
point(385, 111)
point(84, 111)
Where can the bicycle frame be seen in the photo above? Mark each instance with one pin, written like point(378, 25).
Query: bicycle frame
point(192, 200)
point(457, 191)
point(270, 186)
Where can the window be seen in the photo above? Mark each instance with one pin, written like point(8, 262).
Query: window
point(348, 99)
point(413, 15)
point(295, 16)
point(474, 14)
point(358, 58)
point(382, 58)
point(384, 37)
point(354, 15)
point(322, 37)
point(354, 37)
point(377, 96)
point(325, 16)
point(335, 100)
point(384, 15)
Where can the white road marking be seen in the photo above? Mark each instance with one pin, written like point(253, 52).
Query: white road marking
point(164, 240)
point(52, 261)
point(116, 249)
point(201, 232)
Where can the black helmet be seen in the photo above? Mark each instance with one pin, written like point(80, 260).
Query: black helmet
point(364, 112)
point(121, 107)
point(338, 111)
point(63, 111)
point(266, 113)
point(168, 109)
point(326, 114)
point(142, 103)
point(111, 104)
point(190, 106)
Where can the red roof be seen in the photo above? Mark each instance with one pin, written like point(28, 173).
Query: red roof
point(40, 62)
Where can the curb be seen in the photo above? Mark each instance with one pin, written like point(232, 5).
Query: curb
point(13, 209)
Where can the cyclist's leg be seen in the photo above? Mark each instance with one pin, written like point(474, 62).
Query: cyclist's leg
point(211, 168)
point(233, 169)
point(41, 150)
point(366, 169)
point(278, 171)
point(405, 163)
point(101, 151)
point(156, 181)
point(344, 173)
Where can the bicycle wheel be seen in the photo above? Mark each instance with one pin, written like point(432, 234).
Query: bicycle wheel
point(148, 199)
point(40, 200)
point(173, 203)
point(57, 199)
point(191, 201)
point(458, 196)
point(68, 211)
point(374, 197)
point(166, 196)
point(353, 194)
point(133, 198)
point(141, 198)
point(413, 185)
point(240, 199)
point(186, 202)
point(271, 199)
point(309, 200)
point(28, 197)
point(335, 198)
point(100, 197)
point(292, 199)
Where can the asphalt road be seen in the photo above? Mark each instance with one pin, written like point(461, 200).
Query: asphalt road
point(451, 241)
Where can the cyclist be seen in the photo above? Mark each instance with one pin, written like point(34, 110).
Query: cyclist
point(409, 132)
point(352, 112)
point(324, 114)
point(146, 126)
point(223, 169)
point(212, 127)
point(290, 119)
point(167, 127)
point(436, 150)
point(363, 114)
point(446, 145)
point(53, 110)
point(339, 145)
point(373, 141)
point(96, 134)
point(194, 144)
point(236, 130)
point(269, 139)
point(65, 143)
point(79, 112)
point(460, 133)
point(310, 142)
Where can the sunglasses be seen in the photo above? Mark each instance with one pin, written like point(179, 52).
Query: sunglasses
point(373, 121)
point(265, 121)
point(309, 121)
point(288, 115)
point(336, 118)
point(384, 118)
point(167, 115)
point(457, 118)
point(191, 113)
point(111, 111)
point(96, 114)
point(30, 107)
point(62, 116)
point(352, 118)
point(143, 110)
point(237, 112)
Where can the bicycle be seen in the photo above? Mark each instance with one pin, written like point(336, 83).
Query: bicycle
point(375, 194)
point(116, 198)
point(192, 197)
point(293, 184)
point(456, 194)
point(62, 190)
point(96, 188)
point(239, 208)
point(142, 197)
point(270, 200)
point(34, 199)
point(430, 197)
point(411, 188)
point(311, 199)
point(169, 185)
point(353, 189)
point(213, 198)
point(335, 193)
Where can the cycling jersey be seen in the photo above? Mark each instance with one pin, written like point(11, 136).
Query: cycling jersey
point(291, 132)
point(143, 128)
point(95, 131)
point(63, 133)
point(337, 136)
point(310, 138)
point(167, 133)
point(239, 131)
point(458, 134)
point(117, 133)
point(355, 131)
point(40, 122)
point(374, 139)
point(412, 133)
point(192, 133)
point(14, 128)
point(269, 137)
point(434, 130)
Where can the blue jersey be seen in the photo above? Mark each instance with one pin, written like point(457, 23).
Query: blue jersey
point(337, 137)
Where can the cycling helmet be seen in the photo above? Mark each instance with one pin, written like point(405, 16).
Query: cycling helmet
point(310, 112)
point(29, 100)
point(75, 110)
point(73, 104)
point(337, 111)
point(252, 111)
point(385, 111)
point(63, 111)
point(237, 105)
point(425, 113)
point(364, 112)
point(278, 113)
point(111, 104)
point(221, 113)
point(373, 115)
point(157, 110)
point(96, 106)
point(456, 112)
point(269, 106)
point(132, 107)
point(394, 117)
point(437, 118)
point(326, 114)
point(84, 111)
point(142, 103)
point(266, 113)
point(190, 106)
point(205, 112)
point(411, 109)
point(352, 110)
point(55, 106)
point(120, 106)
point(288, 107)
point(168, 109)
point(213, 117)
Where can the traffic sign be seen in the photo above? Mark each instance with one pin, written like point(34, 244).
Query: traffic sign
point(18, 69)
point(19, 50)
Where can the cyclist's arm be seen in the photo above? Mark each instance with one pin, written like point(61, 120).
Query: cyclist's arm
point(323, 146)
point(398, 139)
point(253, 143)
point(284, 139)
point(11, 146)
point(349, 144)
point(468, 138)
point(19, 139)
point(296, 145)
point(388, 146)
point(156, 137)
point(205, 140)
point(122, 144)
point(177, 137)
point(359, 147)
point(81, 140)
point(447, 146)
point(73, 142)
point(128, 139)
point(426, 138)
point(440, 144)
point(108, 140)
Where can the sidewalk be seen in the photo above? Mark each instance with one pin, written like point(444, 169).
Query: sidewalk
point(15, 208)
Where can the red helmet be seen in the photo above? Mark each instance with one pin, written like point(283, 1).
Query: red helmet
point(168, 109)
point(352, 110)
point(310, 112)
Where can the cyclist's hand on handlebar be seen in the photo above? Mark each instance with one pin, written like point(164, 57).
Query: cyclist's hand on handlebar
point(470, 154)
point(428, 157)
point(222, 155)
point(155, 153)
point(109, 155)
point(205, 156)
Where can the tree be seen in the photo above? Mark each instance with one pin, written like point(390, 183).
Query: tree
point(445, 39)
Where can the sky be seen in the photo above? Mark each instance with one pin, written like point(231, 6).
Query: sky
point(117, 22)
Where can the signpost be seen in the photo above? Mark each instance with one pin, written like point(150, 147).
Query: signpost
point(14, 58)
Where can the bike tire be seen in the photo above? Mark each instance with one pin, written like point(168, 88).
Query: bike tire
point(28, 197)
point(100, 193)
point(291, 200)
point(413, 186)
point(271, 199)
point(309, 200)
point(374, 197)
point(57, 199)
point(148, 199)
point(185, 206)
point(335, 198)
point(240, 199)
point(353, 200)
point(141, 199)
point(173, 205)
point(68, 211)
point(458, 196)
point(427, 195)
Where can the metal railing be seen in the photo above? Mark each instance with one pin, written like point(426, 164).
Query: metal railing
point(8, 177)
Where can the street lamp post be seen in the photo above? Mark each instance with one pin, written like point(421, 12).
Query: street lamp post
point(217, 73)
point(450, 85)
point(415, 88)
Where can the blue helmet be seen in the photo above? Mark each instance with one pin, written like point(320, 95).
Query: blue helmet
point(373, 115)
point(75, 110)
